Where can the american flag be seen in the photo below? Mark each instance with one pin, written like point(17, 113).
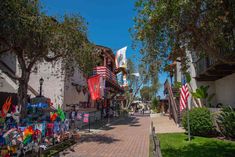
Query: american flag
point(104, 72)
point(184, 94)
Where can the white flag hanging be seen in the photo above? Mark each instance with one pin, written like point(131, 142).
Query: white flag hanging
point(120, 58)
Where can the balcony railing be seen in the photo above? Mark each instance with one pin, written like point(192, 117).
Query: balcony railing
point(210, 69)
point(203, 64)
point(105, 72)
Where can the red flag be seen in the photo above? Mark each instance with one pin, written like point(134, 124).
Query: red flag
point(94, 87)
point(184, 94)
point(6, 107)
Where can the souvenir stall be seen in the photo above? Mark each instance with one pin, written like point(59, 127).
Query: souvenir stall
point(103, 88)
point(43, 127)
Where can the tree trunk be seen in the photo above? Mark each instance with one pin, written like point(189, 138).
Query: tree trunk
point(22, 93)
point(131, 99)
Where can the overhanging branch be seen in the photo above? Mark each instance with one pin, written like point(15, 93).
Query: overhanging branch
point(4, 41)
point(50, 59)
point(6, 50)
point(31, 64)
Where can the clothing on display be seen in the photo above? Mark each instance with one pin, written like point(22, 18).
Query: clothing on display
point(79, 115)
point(56, 128)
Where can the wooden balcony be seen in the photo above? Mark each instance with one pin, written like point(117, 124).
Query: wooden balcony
point(109, 76)
point(208, 69)
point(105, 72)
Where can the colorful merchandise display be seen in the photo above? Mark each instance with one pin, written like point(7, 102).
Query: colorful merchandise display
point(40, 129)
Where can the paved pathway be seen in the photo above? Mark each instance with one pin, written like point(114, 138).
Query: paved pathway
point(125, 138)
point(163, 124)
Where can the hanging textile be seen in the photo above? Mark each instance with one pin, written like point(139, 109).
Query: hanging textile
point(102, 86)
point(79, 115)
point(94, 87)
point(6, 107)
point(120, 58)
point(61, 114)
point(56, 128)
point(66, 122)
point(53, 116)
point(86, 118)
point(49, 131)
point(27, 134)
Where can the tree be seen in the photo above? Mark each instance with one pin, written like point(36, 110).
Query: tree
point(151, 71)
point(33, 37)
point(167, 28)
point(155, 104)
point(136, 78)
point(146, 93)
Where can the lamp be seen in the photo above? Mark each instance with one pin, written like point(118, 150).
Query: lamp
point(41, 83)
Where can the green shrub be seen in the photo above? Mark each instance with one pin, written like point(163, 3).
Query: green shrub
point(154, 103)
point(226, 122)
point(200, 122)
point(124, 111)
point(157, 110)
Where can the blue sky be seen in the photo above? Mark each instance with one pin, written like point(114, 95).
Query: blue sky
point(108, 21)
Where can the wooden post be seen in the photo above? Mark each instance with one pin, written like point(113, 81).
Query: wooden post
point(189, 136)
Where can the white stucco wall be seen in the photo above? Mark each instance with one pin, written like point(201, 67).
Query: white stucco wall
point(211, 90)
point(71, 95)
point(178, 72)
point(225, 90)
point(53, 86)
point(196, 84)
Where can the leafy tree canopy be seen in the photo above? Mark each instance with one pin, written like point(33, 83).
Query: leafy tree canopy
point(147, 93)
point(167, 28)
point(33, 37)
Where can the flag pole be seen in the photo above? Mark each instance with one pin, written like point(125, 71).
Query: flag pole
point(189, 136)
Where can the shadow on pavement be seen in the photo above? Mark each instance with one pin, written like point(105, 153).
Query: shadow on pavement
point(141, 115)
point(132, 121)
point(136, 125)
point(99, 138)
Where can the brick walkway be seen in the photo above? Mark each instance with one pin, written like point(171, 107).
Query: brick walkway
point(125, 138)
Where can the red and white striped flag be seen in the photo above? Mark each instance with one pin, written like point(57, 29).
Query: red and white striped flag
point(184, 94)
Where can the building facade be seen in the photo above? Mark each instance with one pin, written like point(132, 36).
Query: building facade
point(62, 88)
point(66, 89)
point(106, 69)
point(206, 71)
